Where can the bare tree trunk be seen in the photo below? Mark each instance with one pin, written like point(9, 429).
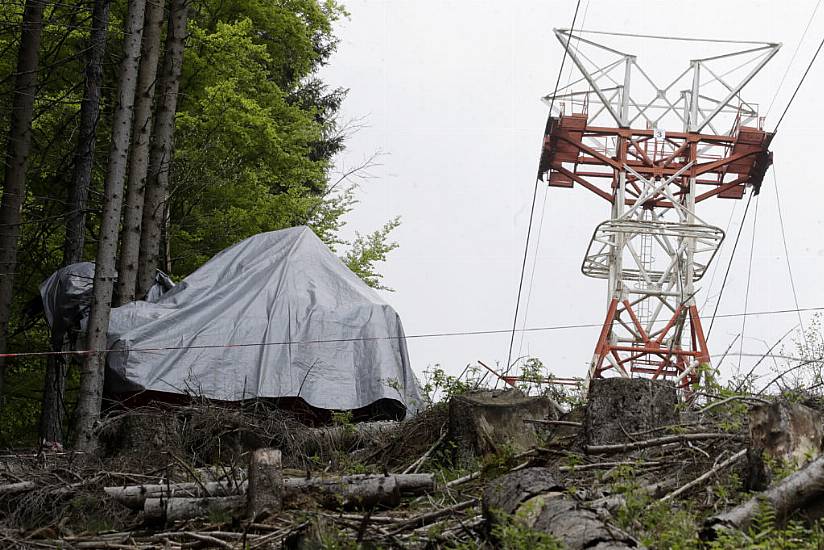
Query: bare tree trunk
point(91, 376)
point(16, 161)
point(138, 168)
point(157, 186)
point(87, 133)
point(54, 386)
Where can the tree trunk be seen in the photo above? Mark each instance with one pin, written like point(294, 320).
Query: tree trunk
point(802, 490)
point(535, 501)
point(157, 185)
point(87, 133)
point(138, 168)
point(17, 157)
point(91, 377)
point(54, 386)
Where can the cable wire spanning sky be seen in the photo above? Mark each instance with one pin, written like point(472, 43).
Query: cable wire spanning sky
point(449, 93)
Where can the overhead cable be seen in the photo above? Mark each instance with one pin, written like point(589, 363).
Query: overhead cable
point(532, 208)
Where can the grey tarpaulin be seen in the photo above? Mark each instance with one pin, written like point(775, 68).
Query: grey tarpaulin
point(276, 315)
point(67, 295)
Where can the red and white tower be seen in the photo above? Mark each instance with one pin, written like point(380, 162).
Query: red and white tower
point(654, 152)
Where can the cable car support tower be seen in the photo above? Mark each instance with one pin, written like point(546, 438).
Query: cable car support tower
point(654, 153)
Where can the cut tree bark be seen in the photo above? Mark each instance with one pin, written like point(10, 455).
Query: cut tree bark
point(265, 486)
point(349, 492)
point(86, 136)
point(619, 407)
point(135, 496)
point(339, 491)
point(536, 501)
point(139, 165)
point(54, 385)
point(160, 163)
point(177, 508)
point(91, 376)
point(801, 491)
point(483, 422)
point(789, 433)
point(18, 149)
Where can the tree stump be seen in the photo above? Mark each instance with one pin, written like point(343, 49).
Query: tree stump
point(141, 437)
point(538, 502)
point(265, 490)
point(483, 422)
point(618, 407)
point(788, 433)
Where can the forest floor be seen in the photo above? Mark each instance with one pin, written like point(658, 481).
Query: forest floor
point(658, 489)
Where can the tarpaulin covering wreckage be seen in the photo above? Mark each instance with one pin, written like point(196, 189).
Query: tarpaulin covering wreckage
point(67, 294)
point(277, 315)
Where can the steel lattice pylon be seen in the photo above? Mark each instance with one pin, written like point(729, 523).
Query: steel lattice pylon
point(654, 160)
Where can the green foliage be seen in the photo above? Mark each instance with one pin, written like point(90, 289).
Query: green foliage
point(256, 136)
point(675, 526)
point(437, 385)
point(343, 419)
point(499, 463)
point(367, 250)
point(765, 534)
point(778, 467)
point(536, 379)
point(514, 536)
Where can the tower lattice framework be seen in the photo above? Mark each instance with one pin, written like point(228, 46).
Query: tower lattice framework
point(654, 153)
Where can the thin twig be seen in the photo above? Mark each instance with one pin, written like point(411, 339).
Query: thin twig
point(665, 440)
point(700, 479)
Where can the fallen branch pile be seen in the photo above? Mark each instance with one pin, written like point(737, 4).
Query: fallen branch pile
point(576, 491)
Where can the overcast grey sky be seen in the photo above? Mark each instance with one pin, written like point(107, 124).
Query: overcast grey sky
point(450, 94)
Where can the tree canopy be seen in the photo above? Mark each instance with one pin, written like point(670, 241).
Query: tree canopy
point(255, 138)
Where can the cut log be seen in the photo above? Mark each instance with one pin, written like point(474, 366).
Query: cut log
point(15, 488)
point(347, 491)
point(172, 509)
point(134, 496)
point(482, 423)
point(801, 491)
point(617, 407)
point(265, 487)
point(537, 501)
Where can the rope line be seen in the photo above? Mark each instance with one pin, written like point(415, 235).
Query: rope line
point(749, 278)
point(800, 82)
point(792, 59)
point(543, 213)
point(729, 265)
point(372, 338)
point(787, 253)
point(532, 209)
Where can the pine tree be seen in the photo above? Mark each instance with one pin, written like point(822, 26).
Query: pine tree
point(18, 150)
point(91, 377)
point(157, 188)
point(138, 167)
